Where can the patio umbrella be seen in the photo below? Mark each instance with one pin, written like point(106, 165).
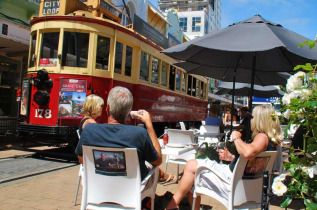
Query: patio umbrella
point(243, 89)
point(262, 78)
point(249, 46)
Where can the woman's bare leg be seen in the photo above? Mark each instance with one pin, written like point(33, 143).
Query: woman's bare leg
point(190, 200)
point(184, 185)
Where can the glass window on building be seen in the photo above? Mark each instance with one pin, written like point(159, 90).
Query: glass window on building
point(118, 58)
point(32, 50)
point(183, 82)
point(48, 51)
point(128, 61)
point(196, 22)
point(183, 23)
point(155, 70)
point(178, 79)
point(75, 49)
point(189, 82)
point(172, 77)
point(144, 66)
point(102, 54)
point(164, 74)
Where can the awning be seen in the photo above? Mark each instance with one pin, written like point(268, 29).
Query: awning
point(158, 12)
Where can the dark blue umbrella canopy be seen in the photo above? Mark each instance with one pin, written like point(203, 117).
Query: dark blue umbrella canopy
point(252, 46)
point(243, 89)
point(274, 47)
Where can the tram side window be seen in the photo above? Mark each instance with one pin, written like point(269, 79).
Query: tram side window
point(155, 70)
point(189, 88)
point(202, 89)
point(128, 61)
point(172, 77)
point(145, 65)
point(164, 74)
point(75, 49)
point(32, 50)
point(48, 51)
point(102, 54)
point(118, 58)
point(194, 87)
point(178, 79)
point(183, 82)
point(197, 88)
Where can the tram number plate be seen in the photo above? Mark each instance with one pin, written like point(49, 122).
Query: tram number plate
point(43, 113)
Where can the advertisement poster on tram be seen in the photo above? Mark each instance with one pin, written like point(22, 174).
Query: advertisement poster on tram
point(25, 97)
point(72, 96)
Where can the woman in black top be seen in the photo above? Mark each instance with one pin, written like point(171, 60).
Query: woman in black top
point(92, 110)
point(266, 129)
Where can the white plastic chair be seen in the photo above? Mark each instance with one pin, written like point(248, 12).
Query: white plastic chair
point(116, 192)
point(183, 127)
point(209, 129)
point(80, 173)
point(244, 193)
point(180, 137)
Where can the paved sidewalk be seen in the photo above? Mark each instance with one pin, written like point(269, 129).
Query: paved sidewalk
point(55, 190)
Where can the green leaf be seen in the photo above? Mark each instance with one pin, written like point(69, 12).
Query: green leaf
point(311, 140)
point(304, 188)
point(312, 148)
point(315, 131)
point(304, 43)
point(310, 206)
point(286, 202)
point(313, 104)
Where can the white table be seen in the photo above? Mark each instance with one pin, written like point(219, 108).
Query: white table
point(176, 151)
point(210, 135)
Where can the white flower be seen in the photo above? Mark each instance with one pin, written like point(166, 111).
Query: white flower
point(295, 94)
point(279, 188)
point(287, 113)
point(286, 99)
point(280, 178)
point(305, 93)
point(273, 140)
point(309, 171)
point(300, 74)
point(293, 82)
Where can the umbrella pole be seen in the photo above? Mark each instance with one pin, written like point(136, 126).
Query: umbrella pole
point(252, 82)
point(233, 90)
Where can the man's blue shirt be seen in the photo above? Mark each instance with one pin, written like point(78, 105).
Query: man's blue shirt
point(119, 136)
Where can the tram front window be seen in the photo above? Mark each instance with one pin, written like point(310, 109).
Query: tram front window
point(189, 88)
point(172, 78)
point(32, 50)
point(178, 80)
point(48, 51)
point(102, 55)
point(75, 49)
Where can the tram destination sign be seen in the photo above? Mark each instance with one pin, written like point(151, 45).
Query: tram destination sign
point(149, 32)
point(50, 7)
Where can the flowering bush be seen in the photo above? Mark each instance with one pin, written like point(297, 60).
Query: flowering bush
point(301, 109)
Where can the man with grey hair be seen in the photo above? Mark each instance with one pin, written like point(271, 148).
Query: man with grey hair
point(117, 134)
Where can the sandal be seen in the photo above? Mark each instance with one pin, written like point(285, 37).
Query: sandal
point(169, 179)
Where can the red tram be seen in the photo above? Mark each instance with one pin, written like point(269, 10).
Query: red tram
point(80, 48)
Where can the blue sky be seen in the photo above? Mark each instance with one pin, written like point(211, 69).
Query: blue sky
point(299, 16)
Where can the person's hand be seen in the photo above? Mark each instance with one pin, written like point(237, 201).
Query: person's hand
point(144, 116)
point(225, 155)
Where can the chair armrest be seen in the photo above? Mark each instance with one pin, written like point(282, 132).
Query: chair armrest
point(201, 168)
point(149, 175)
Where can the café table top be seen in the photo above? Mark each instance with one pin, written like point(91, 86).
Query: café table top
point(176, 150)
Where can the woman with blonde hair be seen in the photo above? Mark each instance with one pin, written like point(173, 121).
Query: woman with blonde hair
point(92, 110)
point(266, 130)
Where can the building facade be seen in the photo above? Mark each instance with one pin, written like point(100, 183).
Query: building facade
point(196, 17)
point(14, 44)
